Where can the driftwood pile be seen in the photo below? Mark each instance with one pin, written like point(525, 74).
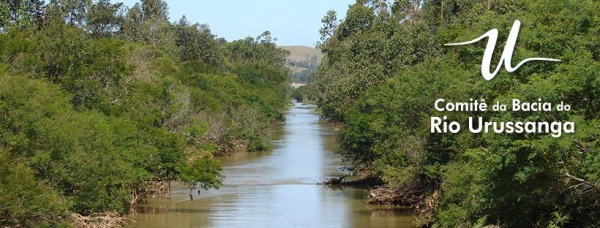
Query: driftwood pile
point(386, 196)
point(409, 195)
point(423, 203)
point(414, 195)
point(101, 220)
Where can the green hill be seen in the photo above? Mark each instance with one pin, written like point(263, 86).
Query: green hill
point(303, 61)
point(299, 53)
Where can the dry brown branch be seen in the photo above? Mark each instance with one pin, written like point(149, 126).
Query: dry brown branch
point(101, 220)
point(582, 181)
point(406, 196)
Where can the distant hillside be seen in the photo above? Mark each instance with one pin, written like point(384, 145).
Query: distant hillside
point(303, 61)
point(299, 53)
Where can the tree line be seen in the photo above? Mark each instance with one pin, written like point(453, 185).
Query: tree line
point(99, 100)
point(386, 64)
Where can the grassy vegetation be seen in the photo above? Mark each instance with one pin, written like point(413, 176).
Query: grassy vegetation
point(303, 62)
point(299, 53)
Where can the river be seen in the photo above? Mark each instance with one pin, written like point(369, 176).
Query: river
point(276, 188)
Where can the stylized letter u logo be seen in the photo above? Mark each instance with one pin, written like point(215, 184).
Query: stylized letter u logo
point(506, 57)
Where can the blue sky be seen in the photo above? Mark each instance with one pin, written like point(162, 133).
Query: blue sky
point(292, 22)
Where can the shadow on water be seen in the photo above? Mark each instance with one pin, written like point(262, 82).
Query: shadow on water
point(277, 188)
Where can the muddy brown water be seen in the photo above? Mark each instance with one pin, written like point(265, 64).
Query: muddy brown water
point(276, 188)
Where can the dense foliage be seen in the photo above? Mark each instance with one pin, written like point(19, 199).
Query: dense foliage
point(386, 64)
point(98, 100)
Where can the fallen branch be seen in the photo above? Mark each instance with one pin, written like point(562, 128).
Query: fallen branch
point(101, 220)
point(334, 181)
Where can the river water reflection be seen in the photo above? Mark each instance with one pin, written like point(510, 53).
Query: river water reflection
point(276, 188)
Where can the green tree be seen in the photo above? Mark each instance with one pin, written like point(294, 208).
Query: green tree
point(155, 9)
point(26, 202)
point(21, 14)
point(196, 42)
point(104, 18)
point(133, 22)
